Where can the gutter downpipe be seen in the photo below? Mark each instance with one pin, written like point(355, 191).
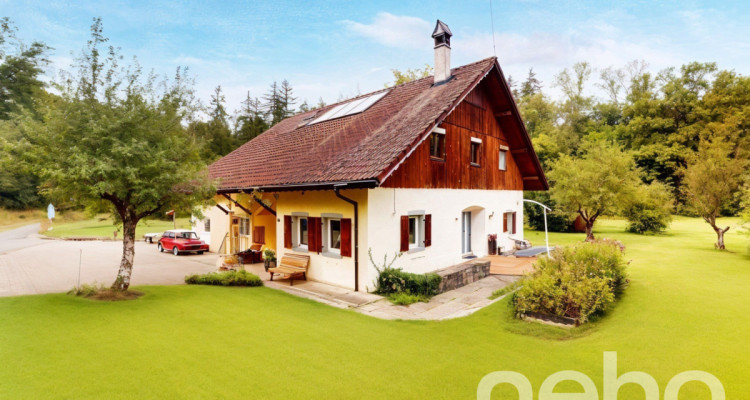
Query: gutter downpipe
point(356, 233)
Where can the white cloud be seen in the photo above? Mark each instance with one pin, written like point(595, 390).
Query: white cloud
point(394, 30)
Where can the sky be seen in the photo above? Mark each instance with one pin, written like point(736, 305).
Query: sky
point(337, 49)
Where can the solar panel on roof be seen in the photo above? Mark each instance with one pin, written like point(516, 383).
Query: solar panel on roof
point(350, 108)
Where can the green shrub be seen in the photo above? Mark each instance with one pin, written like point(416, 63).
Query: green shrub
point(394, 280)
point(87, 290)
point(404, 299)
point(576, 282)
point(225, 278)
point(651, 212)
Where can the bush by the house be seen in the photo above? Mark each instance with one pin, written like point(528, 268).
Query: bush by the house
point(576, 282)
point(402, 287)
point(395, 280)
point(651, 212)
point(225, 278)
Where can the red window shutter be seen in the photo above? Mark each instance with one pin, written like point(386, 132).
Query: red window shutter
point(259, 235)
point(515, 222)
point(346, 237)
point(505, 222)
point(315, 242)
point(287, 231)
point(428, 230)
point(404, 233)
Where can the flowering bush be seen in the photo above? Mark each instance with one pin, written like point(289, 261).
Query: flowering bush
point(575, 282)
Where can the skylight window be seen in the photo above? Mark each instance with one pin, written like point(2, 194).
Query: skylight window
point(350, 108)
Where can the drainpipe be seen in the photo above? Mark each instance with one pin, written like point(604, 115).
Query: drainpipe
point(356, 234)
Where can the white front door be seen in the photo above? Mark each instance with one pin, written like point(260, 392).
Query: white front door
point(466, 232)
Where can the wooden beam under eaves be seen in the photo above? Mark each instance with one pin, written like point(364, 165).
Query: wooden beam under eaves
point(531, 178)
point(237, 204)
point(522, 150)
point(505, 113)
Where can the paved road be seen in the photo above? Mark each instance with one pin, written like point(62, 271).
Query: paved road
point(19, 238)
point(32, 265)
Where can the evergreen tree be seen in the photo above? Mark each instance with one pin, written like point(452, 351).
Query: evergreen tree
point(273, 105)
point(531, 85)
point(286, 94)
point(251, 121)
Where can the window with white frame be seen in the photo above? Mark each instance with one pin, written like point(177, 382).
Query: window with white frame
point(207, 225)
point(437, 144)
point(476, 151)
point(503, 158)
point(414, 234)
point(334, 235)
point(302, 232)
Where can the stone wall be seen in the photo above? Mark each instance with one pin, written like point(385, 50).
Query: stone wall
point(462, 274)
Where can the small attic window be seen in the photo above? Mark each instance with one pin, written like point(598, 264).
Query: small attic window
point(350, 108)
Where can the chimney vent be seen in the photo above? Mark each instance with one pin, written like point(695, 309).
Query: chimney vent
point(442, 35)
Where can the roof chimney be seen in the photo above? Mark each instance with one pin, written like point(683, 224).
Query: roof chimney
point(442, 35)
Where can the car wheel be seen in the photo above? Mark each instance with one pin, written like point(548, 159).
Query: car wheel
point(200, 252)
point(175, 251)
point(161, 249)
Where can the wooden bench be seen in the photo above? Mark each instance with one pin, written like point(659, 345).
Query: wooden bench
point(292, 265)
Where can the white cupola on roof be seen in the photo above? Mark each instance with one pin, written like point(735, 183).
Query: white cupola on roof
point(442, 35)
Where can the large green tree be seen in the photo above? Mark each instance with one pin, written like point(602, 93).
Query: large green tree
point(21, 87)
point(713, 177)
point(604, 180)
point(116, 141)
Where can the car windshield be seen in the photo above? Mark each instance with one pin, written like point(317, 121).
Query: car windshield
point(186, 235)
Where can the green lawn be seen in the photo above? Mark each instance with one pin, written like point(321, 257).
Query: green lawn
point(686, 308)
point(102, 226)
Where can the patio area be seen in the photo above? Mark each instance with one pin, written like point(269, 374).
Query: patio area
point(510, 265)
point(451, 304)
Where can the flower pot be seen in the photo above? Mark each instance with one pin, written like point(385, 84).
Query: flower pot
point(269, 264)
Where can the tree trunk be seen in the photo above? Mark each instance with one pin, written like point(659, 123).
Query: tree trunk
point(720, 237)
point(589, 231)
point(711, 220)
point(122, 282)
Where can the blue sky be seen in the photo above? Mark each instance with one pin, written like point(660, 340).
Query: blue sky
point(329, 49)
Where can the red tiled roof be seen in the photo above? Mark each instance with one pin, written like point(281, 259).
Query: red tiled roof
point(357, 147)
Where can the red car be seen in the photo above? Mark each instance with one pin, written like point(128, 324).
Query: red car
point(181, 241)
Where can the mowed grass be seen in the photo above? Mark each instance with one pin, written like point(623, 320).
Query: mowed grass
point(103, 226)
point(686, 309)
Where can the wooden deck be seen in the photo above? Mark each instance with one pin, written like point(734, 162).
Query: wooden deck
point(517, 266)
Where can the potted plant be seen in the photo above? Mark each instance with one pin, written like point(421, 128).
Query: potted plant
point(492, 243)
point(269, 259)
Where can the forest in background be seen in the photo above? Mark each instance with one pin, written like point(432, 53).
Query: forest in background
point(664, 121)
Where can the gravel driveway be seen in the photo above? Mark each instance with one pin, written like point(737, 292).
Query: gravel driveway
point(32, 265)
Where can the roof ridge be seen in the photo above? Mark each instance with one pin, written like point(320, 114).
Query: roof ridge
point(414, 82)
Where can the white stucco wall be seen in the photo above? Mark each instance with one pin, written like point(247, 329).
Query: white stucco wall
point(445, 206)
point(219, 227)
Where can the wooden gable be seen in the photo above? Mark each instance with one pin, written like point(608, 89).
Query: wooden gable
point(478, 116)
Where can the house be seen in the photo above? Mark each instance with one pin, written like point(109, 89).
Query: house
point(428, 168)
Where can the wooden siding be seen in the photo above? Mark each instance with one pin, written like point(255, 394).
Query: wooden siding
point(474, 117)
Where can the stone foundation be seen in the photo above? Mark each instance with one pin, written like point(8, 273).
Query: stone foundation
point(462, 274)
